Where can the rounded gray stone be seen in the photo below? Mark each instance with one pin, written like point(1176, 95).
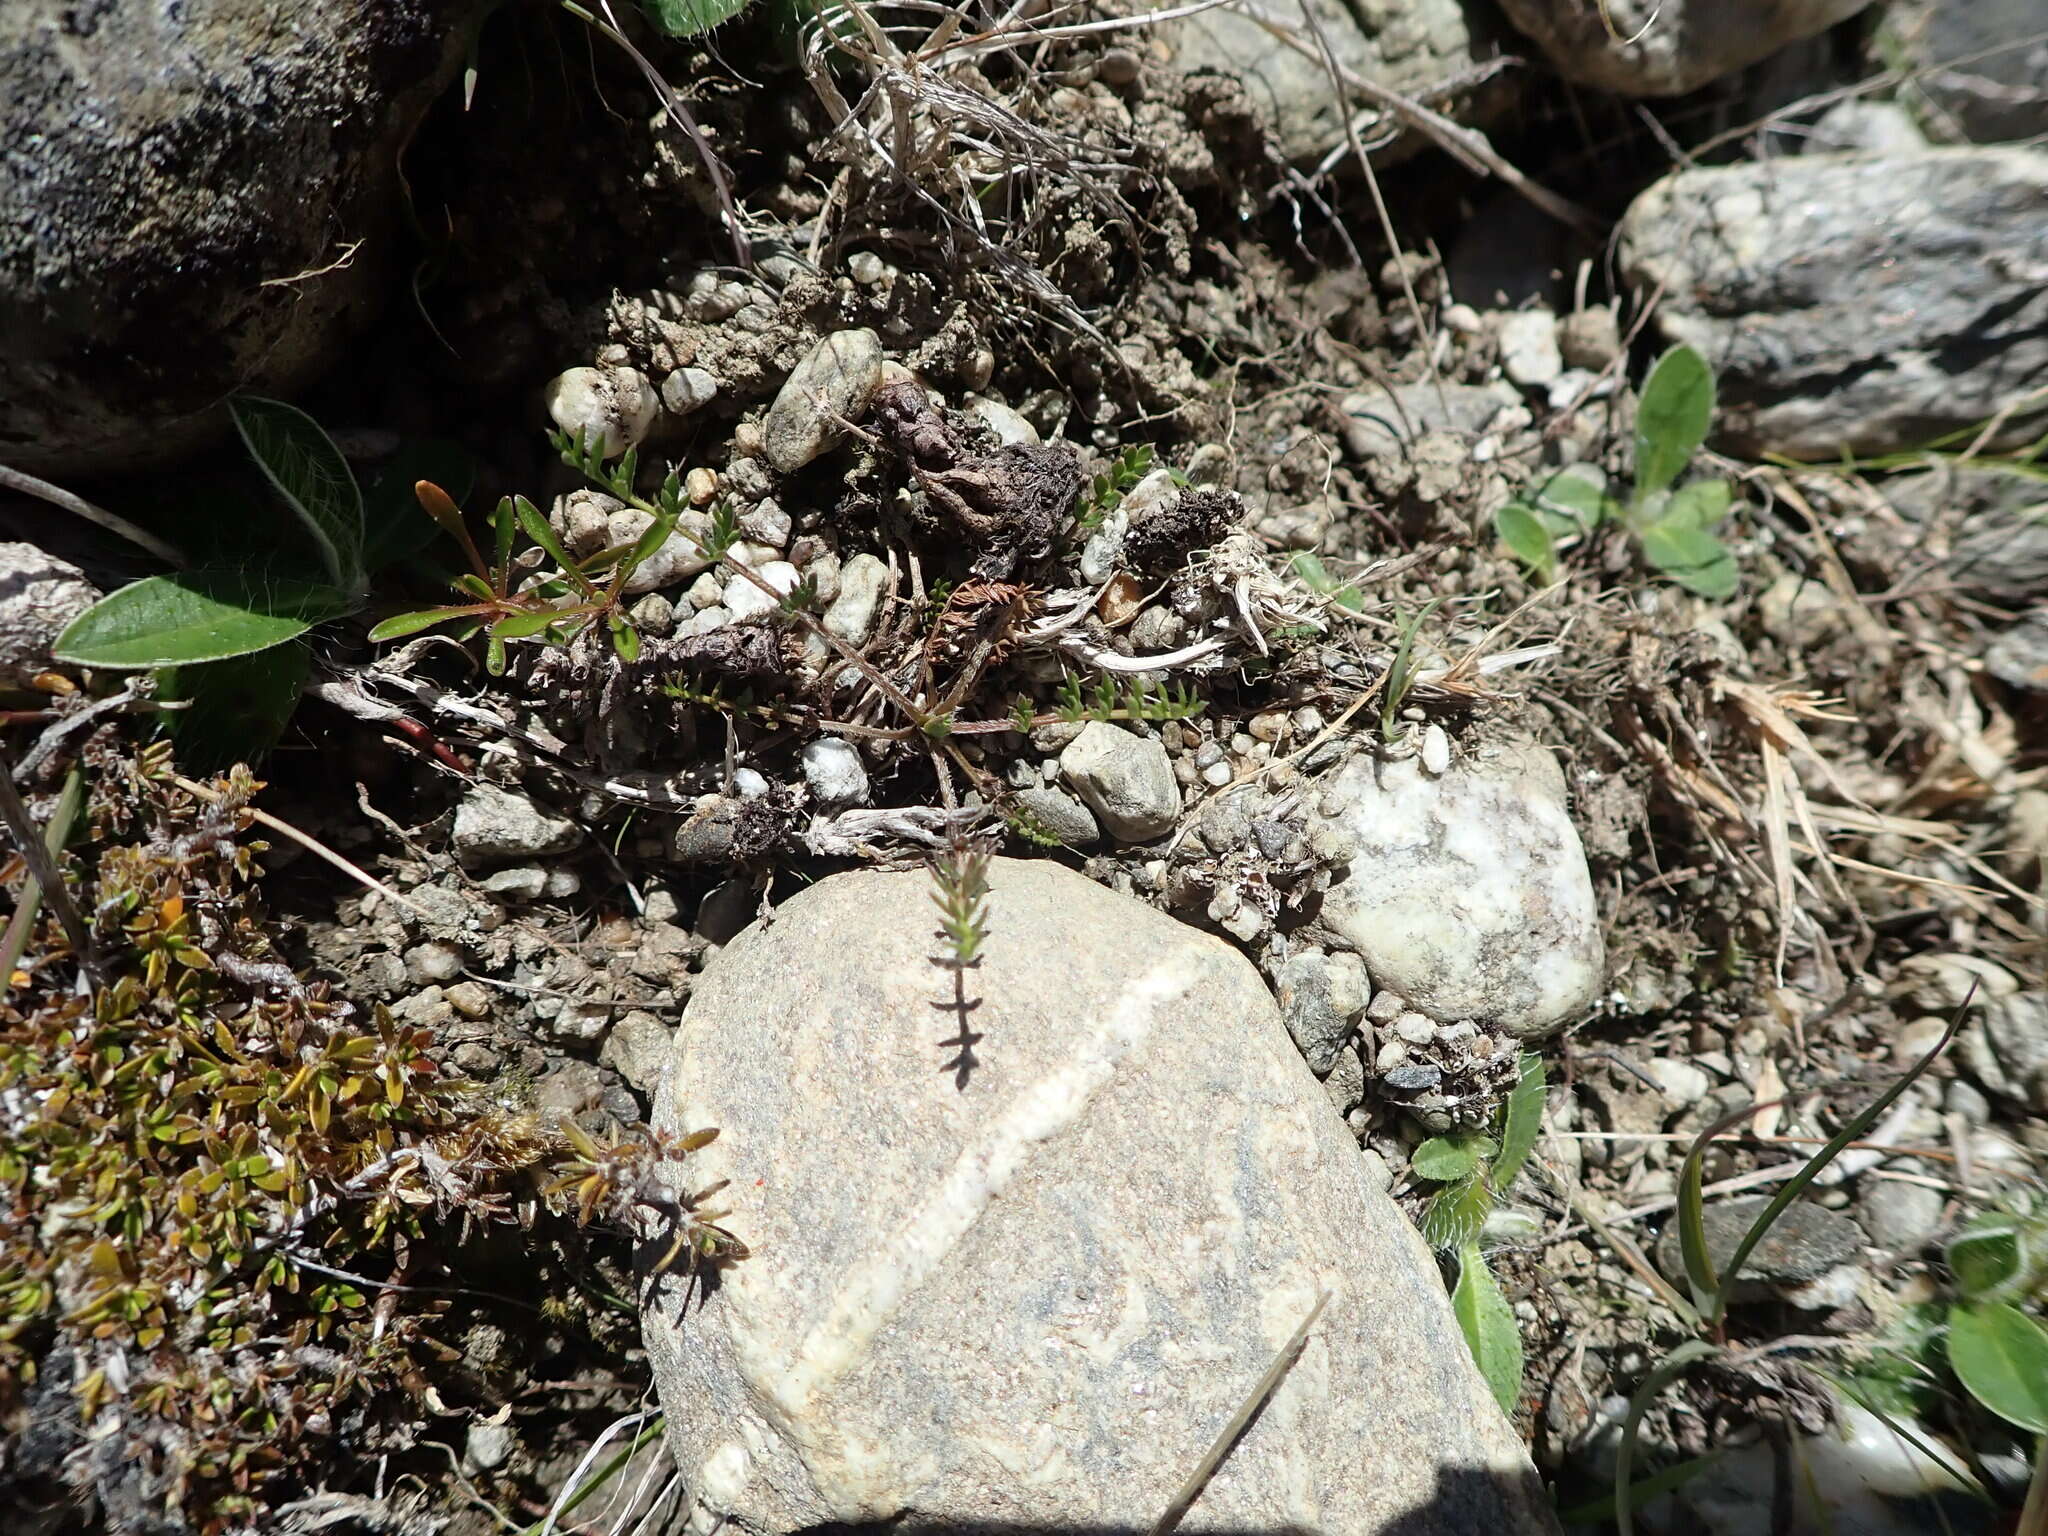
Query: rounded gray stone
point(1126, 780)
point(1029, 1293)
point(1805, 1242)
point(493, 824)
point(39, 596)
point(835, 380)
point(1466, 894)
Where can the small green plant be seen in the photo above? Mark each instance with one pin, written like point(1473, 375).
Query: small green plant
point(1673, 527)
point(1985, 1336)
point(1400, 675)
point(960, 892)
point(1309, 567)
point(1099, 497)
point(224, 635)
point(1475, 1170)
point(1137, 700)
point(555, 605)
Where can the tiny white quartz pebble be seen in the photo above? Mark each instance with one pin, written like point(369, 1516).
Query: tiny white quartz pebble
point(744, 600)
point(835, 772)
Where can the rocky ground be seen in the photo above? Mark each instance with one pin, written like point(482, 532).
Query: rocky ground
point(1087, 444)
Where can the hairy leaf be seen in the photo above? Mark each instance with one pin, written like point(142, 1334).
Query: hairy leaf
point(309, 472)
point(195, 616)
point(1572, 501)
point(1676, 409)
point(2000, 1355)
point(1702, 505)
point(1528, 539)
point(1488, 1324)
point(1522, 1122)
point(1449, 1158)
point(1985, 1256)
point(1456, 1213)
point(687, 18)
point(1692, 557)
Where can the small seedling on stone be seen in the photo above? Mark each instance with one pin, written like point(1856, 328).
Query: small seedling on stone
point(960, 892)
point(1101, 494)
point(1673, 527)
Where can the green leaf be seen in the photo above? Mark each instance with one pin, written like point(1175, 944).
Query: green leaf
point(1692, 557)
point(194, 616)
point(625, 638)
point(1449, 1158)
point(305, 467)
point(2000, 1355)
point(1488, 1324)
point(538, 530)
point(399, 625)
point(687, 18)
point(1456, 1213)
point(1522, 1122)
point(1528, 539)
point(1985, 1257)
point(1672, 418)
point(235, 709)
point(1701, 504)
point(520, 626)
point(394, 526)
point(1572, 501)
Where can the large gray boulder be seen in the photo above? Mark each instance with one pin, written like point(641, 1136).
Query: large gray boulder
point(1030, 1292)
point(1427, 50)
point(1859, 303)
point(1667, 47)
point(194, 198)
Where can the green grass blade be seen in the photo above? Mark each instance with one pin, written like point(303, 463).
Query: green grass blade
point(1796, 1185)
point(1669, 1370)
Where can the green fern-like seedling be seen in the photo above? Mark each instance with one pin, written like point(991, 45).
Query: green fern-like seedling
point(1102, 493)
point(960, 892)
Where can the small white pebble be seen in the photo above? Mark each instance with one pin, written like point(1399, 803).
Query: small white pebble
point(1436, 750)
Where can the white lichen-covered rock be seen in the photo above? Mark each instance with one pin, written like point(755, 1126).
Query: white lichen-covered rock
point(1667, 47)
point(833, 383)
point(612, 406)
point(862, 582)
point(39, 596)
point(1028, 1293)
point(1465, 893)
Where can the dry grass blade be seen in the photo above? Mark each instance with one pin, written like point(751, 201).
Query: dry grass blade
point(1198, 1479)
point(313, 845)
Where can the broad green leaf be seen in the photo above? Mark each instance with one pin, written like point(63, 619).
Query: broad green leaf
point(1985, 1256)
point(687, 18)
point(1573, 501)
point(1701, 504)
point(306, 468)
point(1488, 1323)
point(394, 526)
point(1692, 557)
point(1448, 1158)
point(1672, 417)
point(1309, 567)
point(195, 616)
point(1521, 1123)
point(2000, 1355)
point(1456, 1213)
point(1527, 539)
point(235, 709)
